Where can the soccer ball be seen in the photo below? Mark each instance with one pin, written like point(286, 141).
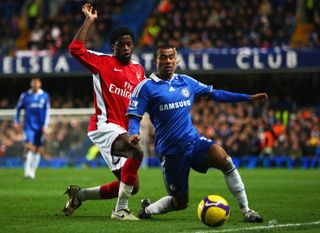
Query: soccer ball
point(213, 210)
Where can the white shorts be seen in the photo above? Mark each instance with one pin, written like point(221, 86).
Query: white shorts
point(103, 138)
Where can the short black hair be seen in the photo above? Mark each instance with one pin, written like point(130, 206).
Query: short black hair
point(36, 78)
point(162, 46)
point(116, 33)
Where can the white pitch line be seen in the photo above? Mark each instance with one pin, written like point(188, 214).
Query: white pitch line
point(263, 227)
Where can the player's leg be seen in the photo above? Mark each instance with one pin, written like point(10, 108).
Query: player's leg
point(37, 141)
point(175, 169)
point(76, 196)
point(129, 172)
point(30, 151)
point(102, 138)
point(217, 157)
point(106, 191)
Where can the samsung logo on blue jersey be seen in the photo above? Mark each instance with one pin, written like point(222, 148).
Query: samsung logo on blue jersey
point(37, 105)
point(179, 104)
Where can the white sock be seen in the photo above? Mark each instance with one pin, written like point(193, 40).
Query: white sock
point(161, 206)
point(236, 187)
point(89, 194)
point(27, 164)
point(123, 196)
point(35, 164)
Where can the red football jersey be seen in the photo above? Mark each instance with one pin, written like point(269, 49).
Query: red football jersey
point(113, 84)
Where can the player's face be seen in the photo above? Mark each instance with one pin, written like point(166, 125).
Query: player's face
point(123, 48)
point(166, 62)
point(35, 84)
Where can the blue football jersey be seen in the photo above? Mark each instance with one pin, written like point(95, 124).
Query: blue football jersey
point(168, 104)
point(36, 107)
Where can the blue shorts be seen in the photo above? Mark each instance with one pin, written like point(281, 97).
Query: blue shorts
point(176, 167)
point(35, 137)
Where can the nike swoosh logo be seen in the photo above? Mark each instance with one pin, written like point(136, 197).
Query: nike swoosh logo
point(117, 70)
point(119, 215)
point(210, 204)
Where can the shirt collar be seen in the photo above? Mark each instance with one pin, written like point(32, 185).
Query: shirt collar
point(40, 91)
point(155, 77)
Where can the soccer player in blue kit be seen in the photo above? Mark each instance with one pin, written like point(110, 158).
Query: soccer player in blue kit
point(168, 97)
point(36, 105)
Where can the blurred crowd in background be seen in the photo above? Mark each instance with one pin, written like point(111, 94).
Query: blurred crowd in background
point(242, 129)
point(50, 25)
point(46, 27)
point(220, 24)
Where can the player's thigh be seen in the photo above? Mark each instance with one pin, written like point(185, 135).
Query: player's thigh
point(122, 147)
point(199, 153)
point(30, 138)
point(38, 138)
point(103, 138)
point(218, 158)
point(175, 170)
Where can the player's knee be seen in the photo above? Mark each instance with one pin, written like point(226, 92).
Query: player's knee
point(180, 203)
point(227, 163)
point(180, 206)
point(135, 189)
point(137, 154)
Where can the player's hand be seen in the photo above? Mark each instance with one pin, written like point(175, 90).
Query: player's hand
point(89, 12)
point(262, 97)
point(134, 139)
point(17, 126)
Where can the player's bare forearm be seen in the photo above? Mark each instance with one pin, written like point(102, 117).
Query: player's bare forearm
point(262, 97)
point(91, 16)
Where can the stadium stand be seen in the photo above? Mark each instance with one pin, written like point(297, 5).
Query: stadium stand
point(243, 129)
point(50, 26)
point(219, 24)
point(288, 125)
point(186, 24)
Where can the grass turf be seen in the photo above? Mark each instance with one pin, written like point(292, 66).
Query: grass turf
point(287, 196)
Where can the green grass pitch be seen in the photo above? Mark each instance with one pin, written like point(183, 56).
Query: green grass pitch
point(287, 196)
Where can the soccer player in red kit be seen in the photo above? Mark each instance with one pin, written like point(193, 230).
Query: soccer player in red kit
point(114, 78)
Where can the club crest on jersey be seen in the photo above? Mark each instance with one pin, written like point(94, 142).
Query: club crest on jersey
point(133, 104)
point(138, 75)
point(185, 92)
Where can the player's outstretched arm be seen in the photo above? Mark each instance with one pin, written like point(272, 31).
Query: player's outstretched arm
point(77, 48)
point(91, 16)
point(262, 97)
